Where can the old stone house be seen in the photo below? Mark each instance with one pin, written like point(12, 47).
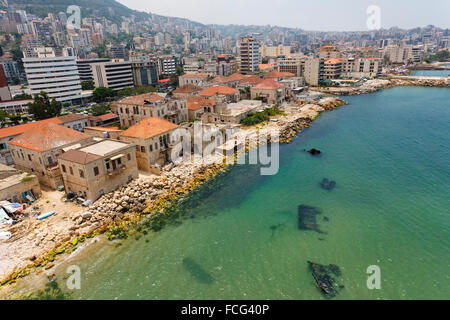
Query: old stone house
point(98, 168)
point(154, 138)
point(136, 108)
point(37, 150)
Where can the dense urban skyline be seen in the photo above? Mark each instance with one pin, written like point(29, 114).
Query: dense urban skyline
point(334, 15)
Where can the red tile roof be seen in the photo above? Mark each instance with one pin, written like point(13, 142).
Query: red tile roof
point(268, 85)
point(140, 99)
point(264, 66)
point(220, 79)
point(72, 117)
point(148, 128)
point(47, 136)
point(236, 77)
point(195, 103)
point(187, 88)
point(108, 116)
point(253, 80)
point(16, 130)
point(217, 90)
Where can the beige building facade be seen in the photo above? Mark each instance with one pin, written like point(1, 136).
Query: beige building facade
point(99, 168)
point(154, 138)
point(133, 109)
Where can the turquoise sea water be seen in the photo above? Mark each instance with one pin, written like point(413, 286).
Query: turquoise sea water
point(389, 154)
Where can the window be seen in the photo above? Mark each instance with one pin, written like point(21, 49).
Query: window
point(142, 149)
point(63, 167)
point(129, 157)
point(156, 145)
point(96, 171)
point(81, 173)
point(71, 170)
point(107, 164)
point(137, 148)
point(29, 157)
point(150, 148)
point(119, 161)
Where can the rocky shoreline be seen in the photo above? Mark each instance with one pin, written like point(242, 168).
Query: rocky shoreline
point(375, 85)
point(118, 211)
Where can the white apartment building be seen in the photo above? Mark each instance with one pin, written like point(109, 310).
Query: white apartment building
point(292, 64)
point(250, 55)
point(166, 65)
point(116, 74)
point(403, 53)
point(56, 75)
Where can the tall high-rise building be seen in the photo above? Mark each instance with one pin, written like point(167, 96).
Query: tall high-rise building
point(56, 75)
point(116, 74)
point(314, 71)
point(250, 56)
point(145, 73)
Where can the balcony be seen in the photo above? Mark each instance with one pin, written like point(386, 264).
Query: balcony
point(113, 172)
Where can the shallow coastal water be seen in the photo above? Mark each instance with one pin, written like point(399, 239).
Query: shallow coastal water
point(389, 154)
point(431, 73)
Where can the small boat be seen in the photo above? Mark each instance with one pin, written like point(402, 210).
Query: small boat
point(45, 215)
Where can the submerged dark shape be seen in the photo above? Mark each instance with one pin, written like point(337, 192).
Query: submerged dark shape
point(197, 271)
point(335, 269)
point(322, 275)
point(327, 184)
point(276, 227)
point(314, 151)
point(307, 218)
point(326, 219)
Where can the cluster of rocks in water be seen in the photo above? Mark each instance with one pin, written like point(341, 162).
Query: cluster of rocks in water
point(307, 218)
point(327, 184)
point(325, 278)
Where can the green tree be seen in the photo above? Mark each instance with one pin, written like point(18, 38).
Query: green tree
point(43, 108)
point(100, 50)
point(87, 85)
point(22, 96)
point(15, 119)
point(100, 109)
point(100, 94)
point(3, 116)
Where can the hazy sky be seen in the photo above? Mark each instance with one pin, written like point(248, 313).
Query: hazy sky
point(322, 15)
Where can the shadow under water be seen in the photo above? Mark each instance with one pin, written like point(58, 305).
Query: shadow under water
point(197, 271)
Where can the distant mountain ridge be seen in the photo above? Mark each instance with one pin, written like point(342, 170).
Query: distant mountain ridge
point(109, 9)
